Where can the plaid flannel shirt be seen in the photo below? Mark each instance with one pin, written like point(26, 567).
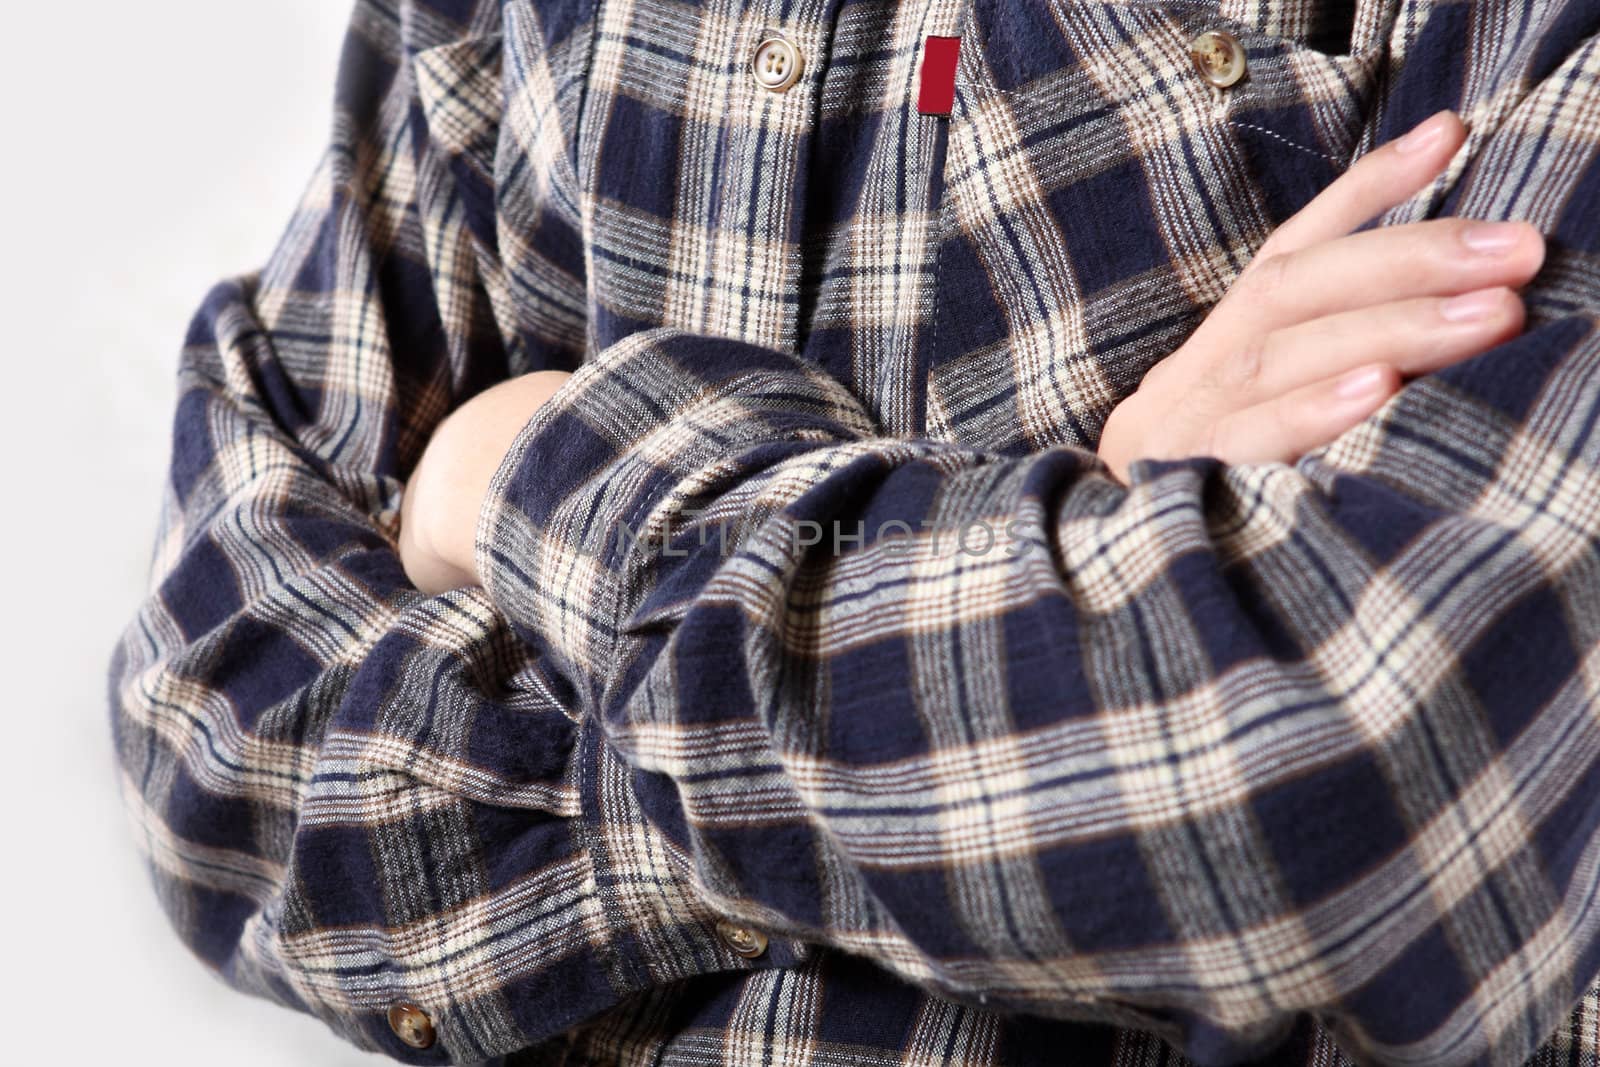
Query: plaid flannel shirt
point(827, 702)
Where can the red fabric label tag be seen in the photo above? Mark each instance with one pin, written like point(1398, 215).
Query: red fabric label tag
point(938, 92)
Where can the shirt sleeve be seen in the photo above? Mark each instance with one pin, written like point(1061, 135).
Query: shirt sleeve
point(354, 796)
point(1201, 753)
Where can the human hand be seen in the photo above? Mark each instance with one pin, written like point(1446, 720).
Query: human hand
point(439, 512)
point(1324, 325)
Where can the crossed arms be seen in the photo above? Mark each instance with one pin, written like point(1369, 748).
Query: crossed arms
point(1210, 748)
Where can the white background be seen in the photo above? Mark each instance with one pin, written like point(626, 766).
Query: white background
point(146, 150)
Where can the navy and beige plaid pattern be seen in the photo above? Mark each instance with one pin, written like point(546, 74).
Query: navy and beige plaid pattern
point(809, 607)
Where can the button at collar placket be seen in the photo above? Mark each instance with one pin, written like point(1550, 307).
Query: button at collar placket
point(1219, 57)
point(777, 64)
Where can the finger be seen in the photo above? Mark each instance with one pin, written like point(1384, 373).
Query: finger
point(1412, 336)
point(1285, 428)
point(1443, 257)
point(1378, 181)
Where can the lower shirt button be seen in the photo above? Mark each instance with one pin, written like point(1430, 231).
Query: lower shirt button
point(411, 1025)
point(743, 940)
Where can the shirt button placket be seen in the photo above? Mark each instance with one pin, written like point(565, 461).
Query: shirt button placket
point(754, 267)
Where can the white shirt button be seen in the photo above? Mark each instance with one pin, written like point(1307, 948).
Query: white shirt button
point(777, 64)
point(1219, 57)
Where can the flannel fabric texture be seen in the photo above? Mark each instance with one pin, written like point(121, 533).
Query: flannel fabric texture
point(808, 605)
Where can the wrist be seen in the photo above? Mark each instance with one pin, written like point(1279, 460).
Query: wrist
point(451, 485)
point(427, 561)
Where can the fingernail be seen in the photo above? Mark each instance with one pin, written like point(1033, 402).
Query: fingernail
point(1492, 238)
point(1424, 135)
point(1470, 307)
point(1361, 383)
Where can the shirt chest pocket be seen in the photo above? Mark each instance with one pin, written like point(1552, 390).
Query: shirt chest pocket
point(1103, 186)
